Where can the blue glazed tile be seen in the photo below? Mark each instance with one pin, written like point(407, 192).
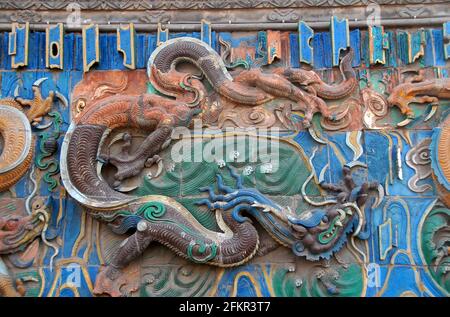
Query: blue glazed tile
point(41, 51)
point(151, 46)
point(33, 53)
point(383, 166)
point(72, 227)
point(391, 57)
point(321, 158)
point(322, 50)
point(438, 45)
point(78, 56)
point(105, 54)
point(141, 61)
point(341, 154)
point(116, 58)
point(377, 155)
point(69, 48)
point(9, 82)
point(293, 41)
point(214, 41)
point(429, 59)
point(355, 43)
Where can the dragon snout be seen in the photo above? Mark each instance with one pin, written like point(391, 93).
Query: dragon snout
point(308, 219)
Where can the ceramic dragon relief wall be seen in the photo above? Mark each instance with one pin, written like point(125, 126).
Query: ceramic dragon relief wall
point(225, 165)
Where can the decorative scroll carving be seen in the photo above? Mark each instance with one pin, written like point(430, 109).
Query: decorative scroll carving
point(349, 118)
point(247, 117)
point(155, 17)
point(26, 16)
point(376, 107)
point(280, 15)
point(418, 158)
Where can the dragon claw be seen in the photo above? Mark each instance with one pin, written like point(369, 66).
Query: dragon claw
point(152, 160)
point(38, 106)
point(410, 116)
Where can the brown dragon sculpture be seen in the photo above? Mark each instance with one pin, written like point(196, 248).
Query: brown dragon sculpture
point(183, 97)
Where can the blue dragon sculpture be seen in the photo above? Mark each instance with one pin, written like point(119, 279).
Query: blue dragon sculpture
point(315, 234)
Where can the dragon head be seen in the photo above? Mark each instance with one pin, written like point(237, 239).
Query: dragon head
point(16, 232)
point(321, 232)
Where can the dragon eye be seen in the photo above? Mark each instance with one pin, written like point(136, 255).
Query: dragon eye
point(80, 105)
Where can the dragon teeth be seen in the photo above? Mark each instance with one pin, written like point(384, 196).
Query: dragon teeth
point(342, 214)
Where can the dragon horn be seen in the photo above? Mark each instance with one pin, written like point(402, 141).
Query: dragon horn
point(38, 82)
point(16, 91)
